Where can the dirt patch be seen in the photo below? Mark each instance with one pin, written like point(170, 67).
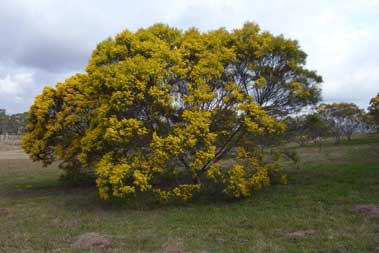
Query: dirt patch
point(300, 234)
point(8, 147)
point(92, 240)
point(13, 154)
point(4, 212)
point(371, 211)
point(172, 247)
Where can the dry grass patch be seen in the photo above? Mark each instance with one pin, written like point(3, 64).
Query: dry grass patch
point(371, 211)
point(92, 240)
point(300, 234)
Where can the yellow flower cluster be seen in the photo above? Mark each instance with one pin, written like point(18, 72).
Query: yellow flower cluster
point(121, 131)
point(56, 113)
point(260, 83)
point(183, 192)
point(258, 122)
point(112, 176)
point(248, 174)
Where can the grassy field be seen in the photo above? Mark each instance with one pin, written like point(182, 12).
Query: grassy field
point(313, 213)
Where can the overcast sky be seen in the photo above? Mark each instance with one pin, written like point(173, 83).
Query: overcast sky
point(44, 41)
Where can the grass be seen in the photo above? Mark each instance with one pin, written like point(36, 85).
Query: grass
point(46, 216)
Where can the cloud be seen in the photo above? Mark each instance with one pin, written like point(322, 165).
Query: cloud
point(46, 41)
point(14, 89)
point(13, 84)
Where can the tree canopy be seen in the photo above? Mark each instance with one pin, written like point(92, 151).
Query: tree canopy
point(344, 118)
point(161, 109)
point(12, 124)
point(271, 69)
point(373, 112)
point(307, 127)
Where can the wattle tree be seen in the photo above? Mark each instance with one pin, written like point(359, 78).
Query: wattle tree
point(174, 112)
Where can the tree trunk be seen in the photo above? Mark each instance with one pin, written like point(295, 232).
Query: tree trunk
point(349, 137)
point(338, 139)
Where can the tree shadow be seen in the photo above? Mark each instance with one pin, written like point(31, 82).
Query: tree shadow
point(314, 182)
point(86, 198)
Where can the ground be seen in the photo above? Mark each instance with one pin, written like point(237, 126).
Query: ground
point(318, 211)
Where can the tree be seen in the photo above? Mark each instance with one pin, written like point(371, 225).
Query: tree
point(3, 121)
point(16, 123)
point(12, 124)
point(344, 118)
point(316, 127)
point(373, 113)
point(295, 130)
point(160, 110)
point(307, 127)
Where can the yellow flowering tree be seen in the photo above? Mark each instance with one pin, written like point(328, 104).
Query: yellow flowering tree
point(171, 112)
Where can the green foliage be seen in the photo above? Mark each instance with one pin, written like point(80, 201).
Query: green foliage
point(372, 118)
point(315, 126)
point(292, 155)
point(305, 128)
point(295, 130)
point(160, 109)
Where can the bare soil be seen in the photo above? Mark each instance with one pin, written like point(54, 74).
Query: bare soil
point(300, 234)
point(92, 240)
point(4, 212)
point(12, 152)
point(371, 210)
point(172, 247)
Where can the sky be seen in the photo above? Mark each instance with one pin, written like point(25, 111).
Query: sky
point(43, 42)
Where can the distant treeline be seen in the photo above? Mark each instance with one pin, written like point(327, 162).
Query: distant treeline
point(14, 124)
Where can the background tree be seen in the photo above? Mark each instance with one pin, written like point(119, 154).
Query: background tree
point(295, 130)
point(17, 123)
point(344, 118)
point(160, 110)
point(316, 127)
point(3, 121)
point(308, 127)
point(373, 113)
point(12, 124)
